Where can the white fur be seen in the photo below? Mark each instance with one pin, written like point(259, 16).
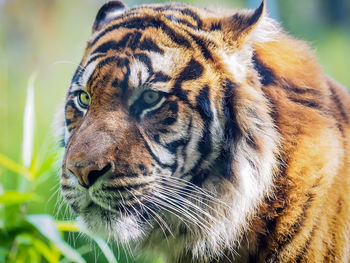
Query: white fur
point(59, 123)
point(266, 30)
point(238, 62)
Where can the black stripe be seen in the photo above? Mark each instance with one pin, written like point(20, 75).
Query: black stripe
point(339, 105)
point(203, 107)
point(77, 114)
point(159, 77)
point(173, 146)
point(192, 14)
point(122, 188)
point(168, 121)
point(176, 37)
point(113, 45)
point(215, 26)
point(299, 90)
point(295, 228)
point(308, 103)
point(66, 187)
point(163, 130)
point(232, 131)
point(124, 84)
point(135, 40)
point(184, 11)
point(142, 24)
point(94, 58)
point(120, 62)
point(169, 106)
point(77, 75)
point(266, 74)
point(205, 143)
point(193, 70)
point(163, 165)
point(202, 45)
point(146, 60)
point(180, 21)
point(149, 45)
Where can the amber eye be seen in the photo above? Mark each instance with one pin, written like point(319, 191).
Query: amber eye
point(151, 97)
point(84, 99)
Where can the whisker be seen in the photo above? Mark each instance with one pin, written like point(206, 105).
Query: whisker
point(177, 208)
point(188, 202)
point(159, 218)
point(159, 203)
point(194, 198)
point(137, 212)
point(189, 187)
point(200, 199)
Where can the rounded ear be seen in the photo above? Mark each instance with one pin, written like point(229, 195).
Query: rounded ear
point(107, 13)
point(241, 24)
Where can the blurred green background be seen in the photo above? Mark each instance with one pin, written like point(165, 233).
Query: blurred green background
point(46, 38)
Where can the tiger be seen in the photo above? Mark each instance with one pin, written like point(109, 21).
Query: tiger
point(206, 135)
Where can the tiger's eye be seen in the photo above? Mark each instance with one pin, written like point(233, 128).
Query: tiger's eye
point(150, 97)
point(84, 99)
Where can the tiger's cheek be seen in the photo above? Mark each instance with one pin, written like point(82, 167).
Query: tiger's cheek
point(175, 133)
point(168, 122)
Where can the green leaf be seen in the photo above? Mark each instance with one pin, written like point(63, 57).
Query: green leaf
point(47, 227)
point(3, 253)
point(106, 250)
point(73, 227)
point(51, 255)
point(14, 197)
point(68, 226)
point(28, 124)
point(14, 167)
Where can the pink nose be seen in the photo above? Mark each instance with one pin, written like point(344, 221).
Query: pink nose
point(88, 174)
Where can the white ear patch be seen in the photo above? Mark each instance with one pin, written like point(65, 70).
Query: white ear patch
point(238, 63)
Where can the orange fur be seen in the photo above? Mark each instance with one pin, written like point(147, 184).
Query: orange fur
point(245, 114)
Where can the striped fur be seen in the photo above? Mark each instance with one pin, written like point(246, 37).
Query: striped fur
point(242, 157)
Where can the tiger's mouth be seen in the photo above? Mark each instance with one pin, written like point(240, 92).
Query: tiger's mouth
point(119, 200)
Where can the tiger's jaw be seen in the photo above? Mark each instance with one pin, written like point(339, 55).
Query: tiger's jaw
point(105, 213)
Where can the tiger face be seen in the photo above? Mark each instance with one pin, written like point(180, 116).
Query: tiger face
point(137, 117)
point(192, 126)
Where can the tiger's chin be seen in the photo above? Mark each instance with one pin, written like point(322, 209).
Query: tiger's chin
point(111, 226)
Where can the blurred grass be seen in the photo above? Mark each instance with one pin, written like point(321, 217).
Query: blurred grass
point(48, 37)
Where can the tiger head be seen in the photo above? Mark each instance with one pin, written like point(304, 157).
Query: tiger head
point(166, 132)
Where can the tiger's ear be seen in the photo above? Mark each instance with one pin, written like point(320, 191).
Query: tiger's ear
point(107, 13)
point(237, 27)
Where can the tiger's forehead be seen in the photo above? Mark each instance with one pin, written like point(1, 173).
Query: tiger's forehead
point(148, 45)
point(136, 58)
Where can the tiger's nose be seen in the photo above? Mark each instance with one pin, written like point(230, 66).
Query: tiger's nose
point(88, 174)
